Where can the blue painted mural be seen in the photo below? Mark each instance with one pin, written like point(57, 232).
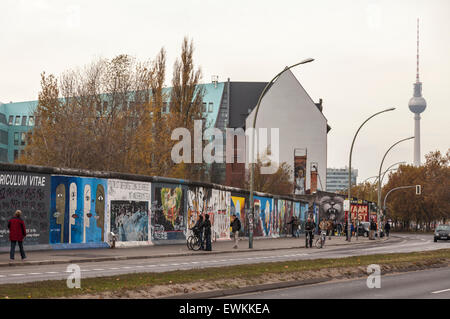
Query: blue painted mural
point(263, 209)
point(77, 209)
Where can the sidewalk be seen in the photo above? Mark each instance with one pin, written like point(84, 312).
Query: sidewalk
point(159, 251)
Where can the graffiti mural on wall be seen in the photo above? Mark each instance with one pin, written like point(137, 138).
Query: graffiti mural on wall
point(263, 216)
point(221, 210)
point(238, 208)
point(31, 194)
point(129, 204)
point(77, 213)
point(167, 213)
point(300, 174)
point(331, 206)
point(215, 203)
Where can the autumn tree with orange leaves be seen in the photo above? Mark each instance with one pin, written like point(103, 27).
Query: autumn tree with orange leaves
point(115, 115)
point(423, 211)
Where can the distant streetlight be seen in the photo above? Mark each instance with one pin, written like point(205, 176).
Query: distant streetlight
point(252, 164)
point(350, 171)
point(379, 183)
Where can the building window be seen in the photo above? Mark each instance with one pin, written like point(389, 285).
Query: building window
point(23, 138)
point(204, 107)
point(24, 120)
point(164, 108)
point(31, 121)
point(16, 138)
point(4, 137)
point(3, 118)
point(16, 155)
point(11, 119)
point(17, 120)
point(210, 107)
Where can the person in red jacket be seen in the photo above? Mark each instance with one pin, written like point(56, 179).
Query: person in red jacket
point(17, 233)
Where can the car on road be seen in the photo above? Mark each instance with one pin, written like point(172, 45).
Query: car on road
point(442, 232)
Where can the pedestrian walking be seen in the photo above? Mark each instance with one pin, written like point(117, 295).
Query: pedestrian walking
point(17, 233)
point(387, 228)
point(207, 232)
point(235, 228)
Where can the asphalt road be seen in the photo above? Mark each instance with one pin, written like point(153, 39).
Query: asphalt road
point(399, 243)
point(424, 284)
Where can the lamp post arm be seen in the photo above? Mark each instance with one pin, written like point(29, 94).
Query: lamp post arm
point(251, 155)
point(379, 181)
point(394, 189)
point(350, 165)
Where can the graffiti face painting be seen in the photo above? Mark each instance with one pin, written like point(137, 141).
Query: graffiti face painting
point(332, 208)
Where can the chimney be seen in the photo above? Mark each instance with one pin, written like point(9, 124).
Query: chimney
point(314, 173)
point(319, 105)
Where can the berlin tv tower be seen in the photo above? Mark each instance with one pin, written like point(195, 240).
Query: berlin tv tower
point(417, 105)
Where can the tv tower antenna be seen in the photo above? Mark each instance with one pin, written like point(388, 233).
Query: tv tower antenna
point(417, 105)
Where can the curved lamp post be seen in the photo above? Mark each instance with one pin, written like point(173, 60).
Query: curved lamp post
point(379, 183)
point(350, 170)
point(252, 164)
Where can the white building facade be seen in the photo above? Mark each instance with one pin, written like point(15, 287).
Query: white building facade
point(302, 126)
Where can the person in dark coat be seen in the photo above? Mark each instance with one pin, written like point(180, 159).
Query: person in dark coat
point(310, 226)
point(207, 232)
point(387, 228)
point(17, 233)
point(294, 225)
point(198, 230)
point(235, 228)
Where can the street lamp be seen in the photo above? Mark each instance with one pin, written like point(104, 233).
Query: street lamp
point(350, 171)
point(252, 164)
point(379, 183)
point(388, 169)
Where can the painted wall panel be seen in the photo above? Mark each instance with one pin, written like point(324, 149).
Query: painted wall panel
point(129, 209)
point(215, 203)
point(77, 212)
point(168, 217)
point(263, 216)
point(31, 194)
point(238, 207)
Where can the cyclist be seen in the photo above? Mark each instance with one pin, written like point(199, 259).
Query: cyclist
point(309, 231)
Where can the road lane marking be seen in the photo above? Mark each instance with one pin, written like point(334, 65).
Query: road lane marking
point(51, 272)
point(35, 273)
point(174, 264)
point(98, 269)
point(114, 268)
point(439, 291)
point(17, 275)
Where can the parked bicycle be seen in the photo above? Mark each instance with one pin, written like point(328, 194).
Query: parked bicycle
point(320, 242)
point(193, 242)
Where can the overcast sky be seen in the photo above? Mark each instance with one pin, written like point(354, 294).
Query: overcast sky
point(365, 53)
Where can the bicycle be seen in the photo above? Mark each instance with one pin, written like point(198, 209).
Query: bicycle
point(320, 242)
point(193, 242)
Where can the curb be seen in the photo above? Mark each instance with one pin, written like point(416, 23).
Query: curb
point(288, 284)
point(115, 258)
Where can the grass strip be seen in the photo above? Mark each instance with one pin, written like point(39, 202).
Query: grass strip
point(58, 288)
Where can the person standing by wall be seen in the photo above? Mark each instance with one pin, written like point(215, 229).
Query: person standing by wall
point(198, 230)
point(207, 232)
point(310, 226)
point(235, 228)
point(17, 233)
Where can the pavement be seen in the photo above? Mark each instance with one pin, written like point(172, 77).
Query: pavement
point(49, 257)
